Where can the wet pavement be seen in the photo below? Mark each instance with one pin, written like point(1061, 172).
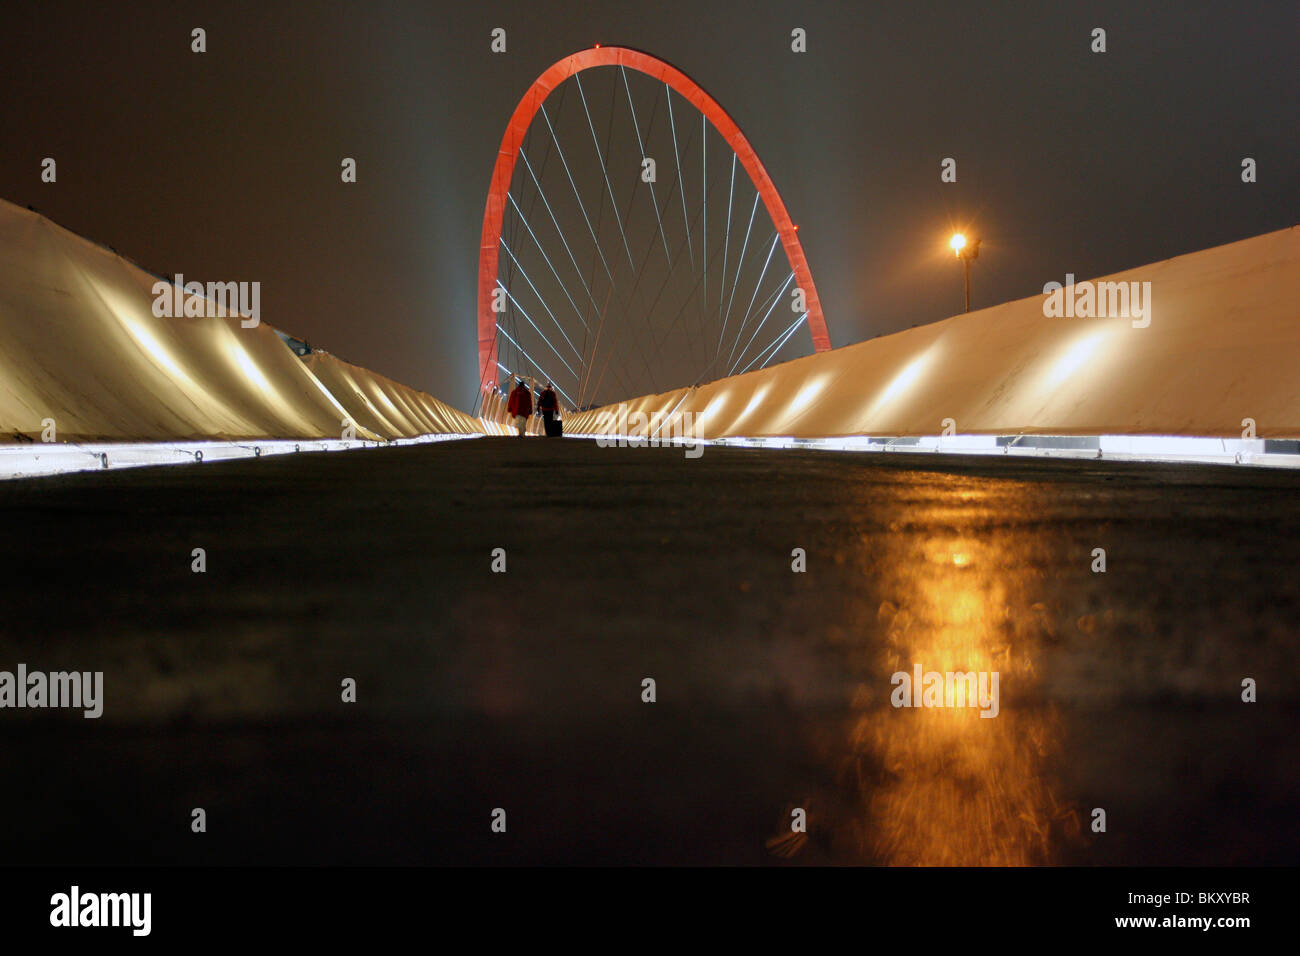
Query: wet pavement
point(522, 690)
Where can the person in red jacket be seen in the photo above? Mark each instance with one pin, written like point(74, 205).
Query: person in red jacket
point(520, 406)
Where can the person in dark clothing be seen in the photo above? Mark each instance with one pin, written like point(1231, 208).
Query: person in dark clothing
point(549, 406)
point(520, 406)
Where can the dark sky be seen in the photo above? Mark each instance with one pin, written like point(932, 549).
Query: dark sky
point(226, 165)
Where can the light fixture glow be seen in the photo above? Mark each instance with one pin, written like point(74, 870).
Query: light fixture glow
point(902, 381)
point(154, 348)
point(251, 372)
point(754, 402)
point(805, 396)
point(712, 408)
point(1069, 363)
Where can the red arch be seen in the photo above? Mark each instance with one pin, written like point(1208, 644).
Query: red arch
point(691, 91)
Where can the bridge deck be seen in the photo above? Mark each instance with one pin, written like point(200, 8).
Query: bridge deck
point(521, 690)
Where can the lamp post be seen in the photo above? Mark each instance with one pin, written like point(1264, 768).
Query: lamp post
point(965, 250)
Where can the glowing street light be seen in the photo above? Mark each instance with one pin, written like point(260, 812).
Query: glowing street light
point(965, 250)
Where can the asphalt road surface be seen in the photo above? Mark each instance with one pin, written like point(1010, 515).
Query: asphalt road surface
point(1119, 691)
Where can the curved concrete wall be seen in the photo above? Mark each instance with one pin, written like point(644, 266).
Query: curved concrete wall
point(384, 406)
point(1223, 344)
point(79, 344)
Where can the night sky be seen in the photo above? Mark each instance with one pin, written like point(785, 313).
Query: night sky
point(225, 165)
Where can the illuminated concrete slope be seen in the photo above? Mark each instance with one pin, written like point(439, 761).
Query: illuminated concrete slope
point(1223, 345)
point(79, 344)
point(386, 407)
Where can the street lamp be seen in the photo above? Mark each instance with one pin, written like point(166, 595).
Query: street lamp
point(965, 250)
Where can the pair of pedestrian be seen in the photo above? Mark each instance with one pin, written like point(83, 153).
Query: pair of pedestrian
point(520, 407)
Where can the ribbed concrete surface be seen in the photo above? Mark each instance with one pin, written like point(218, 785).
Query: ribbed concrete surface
point(1221, 346)
point(79, 344)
